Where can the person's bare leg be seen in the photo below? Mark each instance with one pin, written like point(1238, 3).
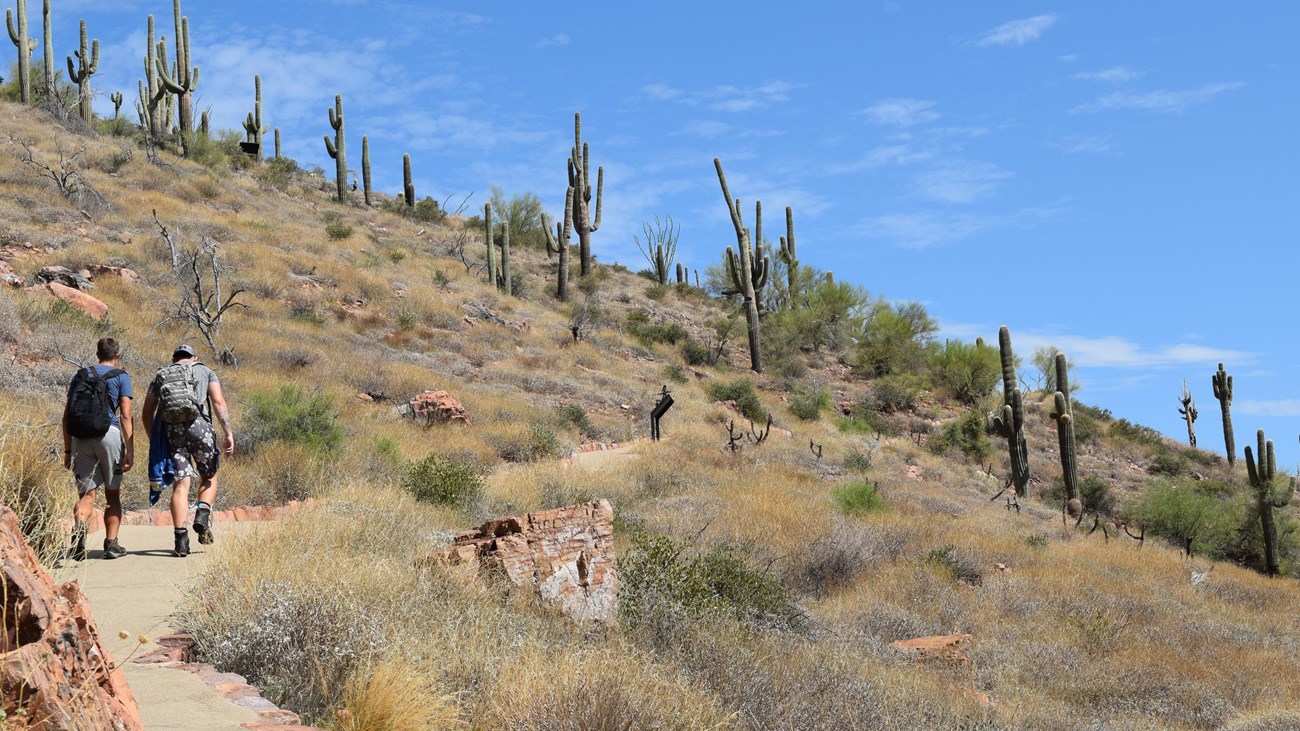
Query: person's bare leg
point(208, 490)
point(85, 504)
point(112, 513)
point(180, 501)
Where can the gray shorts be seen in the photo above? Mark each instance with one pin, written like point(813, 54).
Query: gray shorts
point(98, 462)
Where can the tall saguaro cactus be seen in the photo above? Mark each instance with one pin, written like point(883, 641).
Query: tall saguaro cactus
point(277, 143)
point(117, 99)
point(1223, 392)
point(747, 275)
point(80, 72)
point(154, 107)
point(503, 279)
point(491, 254)
point(580, 201)
point(47, 44)
point(408, 185)
point(365, 167)
point(1187, 409)
point(337, 148)
point(185, 80)
point(253, 126)
point(1063, 414)
point(25, 45)
point(559, 245)
point(789, 256)
point(1269, 494)
point(1010, 421)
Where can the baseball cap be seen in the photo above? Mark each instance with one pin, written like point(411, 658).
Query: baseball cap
point(185, 350)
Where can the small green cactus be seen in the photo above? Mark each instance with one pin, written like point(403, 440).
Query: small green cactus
point(253, 127)
point(365, 166)
point(1223, 392)
point(1270, 493)
point(748, 275)
point(408, 185)
point(337, 149)
point(25, 45)
point(185, 80)
point(580, 200)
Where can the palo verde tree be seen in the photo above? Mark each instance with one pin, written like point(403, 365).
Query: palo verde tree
point(748, 275)
point(337, 149)
point(1270, 492)
point(579, 200)
point(185, 80)
point(25, 45)
point(1223, 392)
point(80, 72)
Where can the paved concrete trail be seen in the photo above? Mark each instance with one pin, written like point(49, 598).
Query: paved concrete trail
point(138, 593)
point(605, 459)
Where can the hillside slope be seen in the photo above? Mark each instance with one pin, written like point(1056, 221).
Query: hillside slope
point(762, 586)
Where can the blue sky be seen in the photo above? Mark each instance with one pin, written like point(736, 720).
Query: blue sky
point(1113, 178)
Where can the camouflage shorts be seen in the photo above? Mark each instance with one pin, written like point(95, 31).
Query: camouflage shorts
point(194, 448)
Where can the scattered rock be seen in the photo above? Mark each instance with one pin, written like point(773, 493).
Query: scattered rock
point(64, 276)
point(10, 277)
point(54, 670)
point(435, 407)
point(567, 553)
point(124, 237)
point(915, 472)
point(103, 270)
point(80, 300)
point(944, 648)
point(366, 397)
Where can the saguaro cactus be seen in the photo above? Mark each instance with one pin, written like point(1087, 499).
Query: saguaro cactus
point(80, 72)
point(1223, 392)
point(365, 167)
point(559, 245)
point(1063, 414)
point(253, 126)
point(337, 148)
point(503, 279)
point(1269, 494)
point(747, 275)
point(681, 273)
point(789, 256)
point(185, 80)
point(1188, 411)
point(491, 254)
point(1010, 421)
point(277, 143)
point(408, 185)
point(25, 46)
point(154, 105)
point(117, 99)
point(47, 45)
point(580, 201)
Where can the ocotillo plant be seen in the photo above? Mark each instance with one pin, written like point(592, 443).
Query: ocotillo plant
point(80, 72)
point(1269, 494)
point(365, 167)
point(337, 148)
point(1063, 414)
point(185, 80)
point(559, 245)
point(1223, 392)
point(743, 270)
point(789, 256)
point(580, 201)
point(25, 46)
point(253, 126)
point(491, 255)
point(117, 99)
point(408, 185)
point(660, 247)
point(1187, 409)
point(1010, 422)
point(47, 42)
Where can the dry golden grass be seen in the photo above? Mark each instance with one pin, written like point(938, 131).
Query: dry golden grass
point(395, 695)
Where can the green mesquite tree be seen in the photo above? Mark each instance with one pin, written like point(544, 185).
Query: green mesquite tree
point(25, 46)
point(1223, 392)
point(408, 185)
point(80, 72)
point(1269, 494)
point(559, 245)
point(1010, 421)
point(253, 126)
point(185, 80)
point(747, 275)
point(580, 200)
point(365, 167)
point(337, 149)
point(1063, 415)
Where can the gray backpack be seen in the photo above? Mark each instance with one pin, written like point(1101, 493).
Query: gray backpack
point(178, 400)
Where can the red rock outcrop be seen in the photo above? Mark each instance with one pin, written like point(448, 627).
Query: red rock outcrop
point(435, 407)
point(78, 299)
point(54, 672)
point(567, 553)
point(944, 648)
point(9, 276)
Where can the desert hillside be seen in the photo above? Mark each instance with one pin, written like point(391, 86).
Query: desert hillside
point(765, 568)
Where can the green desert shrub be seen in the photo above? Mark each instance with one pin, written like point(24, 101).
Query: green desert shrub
point(640, 327)
point(1094, 493)
point(893, 339)
point(966, 434)
point(1194, 519)
point(338, 230)
point(742, 392)
point(808, 402)
point(291, 414)
point(968, 371)
point(441, 480)
point(859, 498)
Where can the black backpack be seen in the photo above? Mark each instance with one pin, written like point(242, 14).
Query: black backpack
point(89, 407)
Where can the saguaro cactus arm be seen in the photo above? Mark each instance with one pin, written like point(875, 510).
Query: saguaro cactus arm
point(87, 62)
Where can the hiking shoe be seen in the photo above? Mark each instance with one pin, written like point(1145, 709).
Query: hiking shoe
point(77, 551)
point(203, 525)
point(113, 549)
point(182, 548)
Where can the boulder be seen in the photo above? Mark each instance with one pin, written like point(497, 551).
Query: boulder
point(943, 648)
point(103, 270)
point(435, 407)
point(80, 300)
point(566, 553)
point(54, 671)
point(9, 276)
point(64, 276)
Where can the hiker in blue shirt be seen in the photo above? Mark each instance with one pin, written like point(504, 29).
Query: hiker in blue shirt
point(98, 444)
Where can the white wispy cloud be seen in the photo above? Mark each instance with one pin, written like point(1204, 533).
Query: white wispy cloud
point(1068, 58)
point(1161, 101)
point(901, 112)
point(1109, 351)
point(1017, 32)
point(726, 98)
point(1278, 407)
point(927, 228)
point(960, 182)
point(1115, 75)
point(880, 157)
point(1084, 144)
point(559, 39)
point(661, 92)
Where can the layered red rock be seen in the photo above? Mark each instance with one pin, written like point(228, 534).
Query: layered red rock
point(54, 671)
point(567, 553)
point(943, 648)
point(78, 299)
point(435, 407)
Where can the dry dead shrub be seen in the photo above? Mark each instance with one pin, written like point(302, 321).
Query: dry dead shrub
point(394, 695)
point(34, 484)
point(1267, 721)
